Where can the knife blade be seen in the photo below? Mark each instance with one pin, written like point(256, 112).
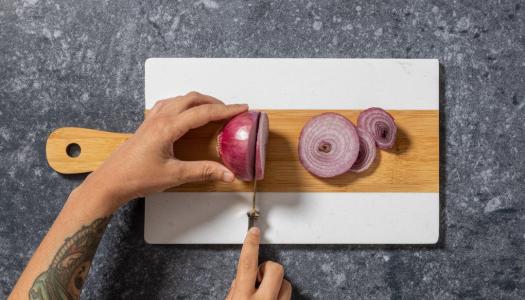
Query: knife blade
point(253, 214)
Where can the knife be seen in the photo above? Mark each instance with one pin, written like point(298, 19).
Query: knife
point(253, 214)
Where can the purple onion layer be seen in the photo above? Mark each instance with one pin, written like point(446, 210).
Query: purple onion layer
point(328, 145)
point(236, 144)
point(260, 147)
point(367, 152)
point(380, 125)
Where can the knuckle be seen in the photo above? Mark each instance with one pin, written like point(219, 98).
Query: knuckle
point(157, 106)
point(211, 111)
point(161, 122)
point(203, 112)
point(176, 132)
point(162, 102)
point(286, 284)
point(163, 125)
point(245, 264)
point(207, 172)
point(208, 109)
point(276, 268)
point(175, 101)
point(193, 94)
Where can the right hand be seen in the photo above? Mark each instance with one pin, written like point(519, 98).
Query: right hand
point(269, 274)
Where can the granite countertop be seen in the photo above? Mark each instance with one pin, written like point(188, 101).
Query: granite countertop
point(81, 63)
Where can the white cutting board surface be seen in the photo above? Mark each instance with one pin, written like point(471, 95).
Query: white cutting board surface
point(296, 218)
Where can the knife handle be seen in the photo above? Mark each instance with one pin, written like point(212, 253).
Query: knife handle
point(252, 218)
point(72, 150)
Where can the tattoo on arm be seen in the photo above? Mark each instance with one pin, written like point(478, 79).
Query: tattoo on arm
point(68, 270)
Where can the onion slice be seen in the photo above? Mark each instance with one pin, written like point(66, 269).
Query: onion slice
point(328, 145)
point(236, 144)
point(260, 147)
point(367, 151)
point(380, 125)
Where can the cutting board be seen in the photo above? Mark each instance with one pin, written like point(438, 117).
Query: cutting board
point(396, 202)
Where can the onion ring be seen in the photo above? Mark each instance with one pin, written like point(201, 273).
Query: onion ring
point(328, 145)
point(380, 125)
point(367, 151)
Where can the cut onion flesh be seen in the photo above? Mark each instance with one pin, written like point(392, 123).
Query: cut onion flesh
point(380, 125)
point(260, 147)
point(367, 152)
point(241, 144)
point(328, 145)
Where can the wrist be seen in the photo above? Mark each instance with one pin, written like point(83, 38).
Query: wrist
point(98, 196)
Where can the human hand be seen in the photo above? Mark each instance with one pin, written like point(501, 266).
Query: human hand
point(269, 275)
point(146, 163)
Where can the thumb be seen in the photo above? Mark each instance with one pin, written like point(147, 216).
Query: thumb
point(230, 292)
point(204, 170)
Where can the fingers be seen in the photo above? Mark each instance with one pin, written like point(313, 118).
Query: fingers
point(201, 115)
point(285, 293)
point(179, 104)
point(193, 110)
point(271, 276)
point(195, 171)
point(248, 261)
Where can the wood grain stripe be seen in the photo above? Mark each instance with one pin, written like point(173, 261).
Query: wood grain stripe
point(411, 166)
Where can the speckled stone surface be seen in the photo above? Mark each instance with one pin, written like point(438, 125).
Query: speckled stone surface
point(81, 63)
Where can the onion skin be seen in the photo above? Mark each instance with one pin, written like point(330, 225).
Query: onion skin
point(380, 124)
point(236, 144)
point(328, 145)
point(260, 147)
point(367, 152)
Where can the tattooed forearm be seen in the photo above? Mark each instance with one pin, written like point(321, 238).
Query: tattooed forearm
point(68, 270)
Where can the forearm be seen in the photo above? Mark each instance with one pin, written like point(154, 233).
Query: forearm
point(142, 165)
point(61, 263)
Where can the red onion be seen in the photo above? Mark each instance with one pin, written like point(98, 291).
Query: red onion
point(236, 144)
point(260, 147)
point(328, 145)
point(241, 145)
point(367, 151)
point(380, 125)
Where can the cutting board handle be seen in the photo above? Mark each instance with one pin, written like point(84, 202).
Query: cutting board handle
point(73, 150)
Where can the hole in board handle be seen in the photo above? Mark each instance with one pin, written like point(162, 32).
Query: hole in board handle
point(73, 150)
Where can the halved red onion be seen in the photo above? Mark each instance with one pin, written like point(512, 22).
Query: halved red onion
point(380, 125)
point(367, 152)
point(328, 145)
point(260, 147)
point(236, 144)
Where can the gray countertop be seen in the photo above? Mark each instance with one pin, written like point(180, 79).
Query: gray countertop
point(81, 63)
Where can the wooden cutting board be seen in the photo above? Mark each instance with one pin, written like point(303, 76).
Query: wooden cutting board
point(411, 166)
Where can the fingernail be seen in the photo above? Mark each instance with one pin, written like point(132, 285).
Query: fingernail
point(255, 231)
point(227, 176)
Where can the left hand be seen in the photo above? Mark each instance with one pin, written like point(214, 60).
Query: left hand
point(146, 164)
